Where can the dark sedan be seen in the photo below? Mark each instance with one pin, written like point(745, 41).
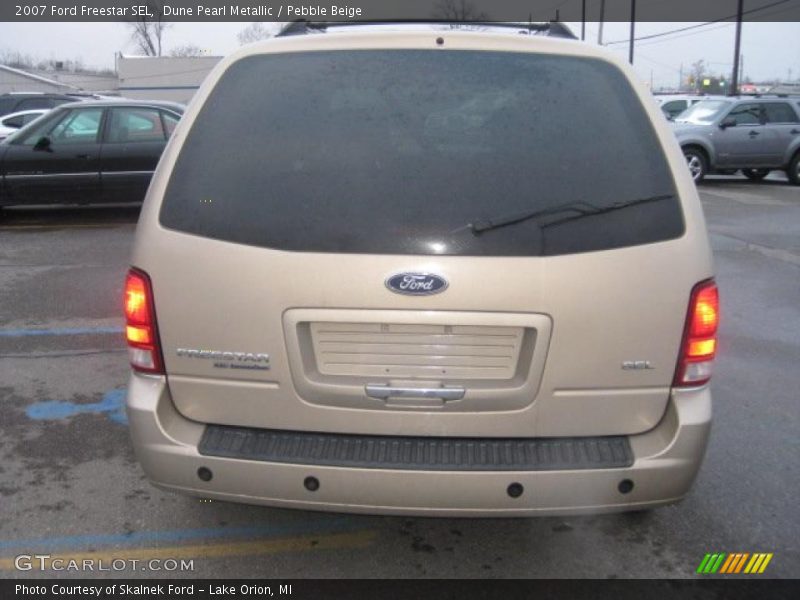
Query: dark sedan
point(87, 152)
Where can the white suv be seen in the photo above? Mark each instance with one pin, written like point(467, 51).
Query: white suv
point(418, 270)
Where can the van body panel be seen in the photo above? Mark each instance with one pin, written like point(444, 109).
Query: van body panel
point(196, 310)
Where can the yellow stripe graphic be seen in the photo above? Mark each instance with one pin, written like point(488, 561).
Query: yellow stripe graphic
point(753, 562)
point(764, 564)
point(356, 539)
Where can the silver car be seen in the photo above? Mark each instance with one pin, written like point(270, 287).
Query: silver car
point(420, 271)
point(755, 134)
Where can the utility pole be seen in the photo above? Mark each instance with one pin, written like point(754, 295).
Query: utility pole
point(583, 20)
point(737, 46)
point(602, 16)
point(633, 28)
point(741, 67)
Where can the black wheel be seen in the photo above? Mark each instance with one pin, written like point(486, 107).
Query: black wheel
point(755, 174)
point(794, 169)
point(697, 163)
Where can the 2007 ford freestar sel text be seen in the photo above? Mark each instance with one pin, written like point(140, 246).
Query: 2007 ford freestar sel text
point(418, 270)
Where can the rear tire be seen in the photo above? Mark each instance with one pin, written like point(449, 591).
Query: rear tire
point(697, 163)
point(755, 174)
point(794, 170)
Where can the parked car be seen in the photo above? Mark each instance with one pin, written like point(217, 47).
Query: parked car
point(754, 134)
point(11, 123)
point(395, 285)
point(86, 152)
point(18, 101)
point(674, 104)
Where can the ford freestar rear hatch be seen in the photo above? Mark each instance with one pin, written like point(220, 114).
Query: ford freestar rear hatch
point(386, 235)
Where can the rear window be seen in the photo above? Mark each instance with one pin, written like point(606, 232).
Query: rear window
point(399, 151)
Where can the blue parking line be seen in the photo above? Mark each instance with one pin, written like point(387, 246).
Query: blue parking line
point(334, 525)
point(112, 404)
point(67, 331)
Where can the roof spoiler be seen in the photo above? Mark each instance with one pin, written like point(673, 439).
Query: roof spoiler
point(550, 29)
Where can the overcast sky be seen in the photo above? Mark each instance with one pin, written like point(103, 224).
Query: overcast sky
point(771, 50)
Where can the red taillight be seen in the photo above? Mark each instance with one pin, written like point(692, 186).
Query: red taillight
point(140, 324)
point(699, 344)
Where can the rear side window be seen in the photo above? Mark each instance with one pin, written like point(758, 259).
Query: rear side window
point(780, 112)
point(135, 125)
point(399, 151)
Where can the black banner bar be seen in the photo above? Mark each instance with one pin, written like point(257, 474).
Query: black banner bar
point(386, 589)
point(394, 10)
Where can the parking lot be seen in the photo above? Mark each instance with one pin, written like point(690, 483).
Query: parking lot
point(70, 485)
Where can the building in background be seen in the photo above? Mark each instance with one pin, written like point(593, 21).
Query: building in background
point(17, 80)
point(162, 77)
point(137, 77)
point(87, 81)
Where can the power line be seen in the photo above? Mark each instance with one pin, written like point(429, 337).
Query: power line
point(680, 29)
point(719, 26)
point(677, 37)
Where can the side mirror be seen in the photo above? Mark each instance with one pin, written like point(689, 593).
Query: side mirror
point(727, 122)
point(43, 144)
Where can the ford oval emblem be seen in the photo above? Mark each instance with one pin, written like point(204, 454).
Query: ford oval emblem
point(416, 284)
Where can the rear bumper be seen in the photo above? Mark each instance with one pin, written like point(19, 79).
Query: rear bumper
point(666, 461)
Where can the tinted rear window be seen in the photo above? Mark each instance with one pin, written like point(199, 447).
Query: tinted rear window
point(398, 151)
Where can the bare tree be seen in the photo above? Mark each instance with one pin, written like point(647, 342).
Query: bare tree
point(148, 33)
point(458, 10)
point(187, 50)
point(254, 33)
point(12, 58)
point(698, 71)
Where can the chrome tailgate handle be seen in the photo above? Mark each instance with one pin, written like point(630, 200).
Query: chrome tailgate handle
point(384, 392)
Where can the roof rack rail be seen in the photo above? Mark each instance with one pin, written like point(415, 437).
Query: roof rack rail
point(550, 29)
point(766, 95)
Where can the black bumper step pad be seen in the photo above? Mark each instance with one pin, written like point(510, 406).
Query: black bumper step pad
point(416, 453)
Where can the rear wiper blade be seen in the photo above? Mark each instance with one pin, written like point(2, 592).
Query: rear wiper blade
point(577, 209)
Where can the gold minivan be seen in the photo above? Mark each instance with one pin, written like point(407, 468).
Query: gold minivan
point(422, 270)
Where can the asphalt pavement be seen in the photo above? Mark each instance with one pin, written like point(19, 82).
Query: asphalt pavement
point(70, 486)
